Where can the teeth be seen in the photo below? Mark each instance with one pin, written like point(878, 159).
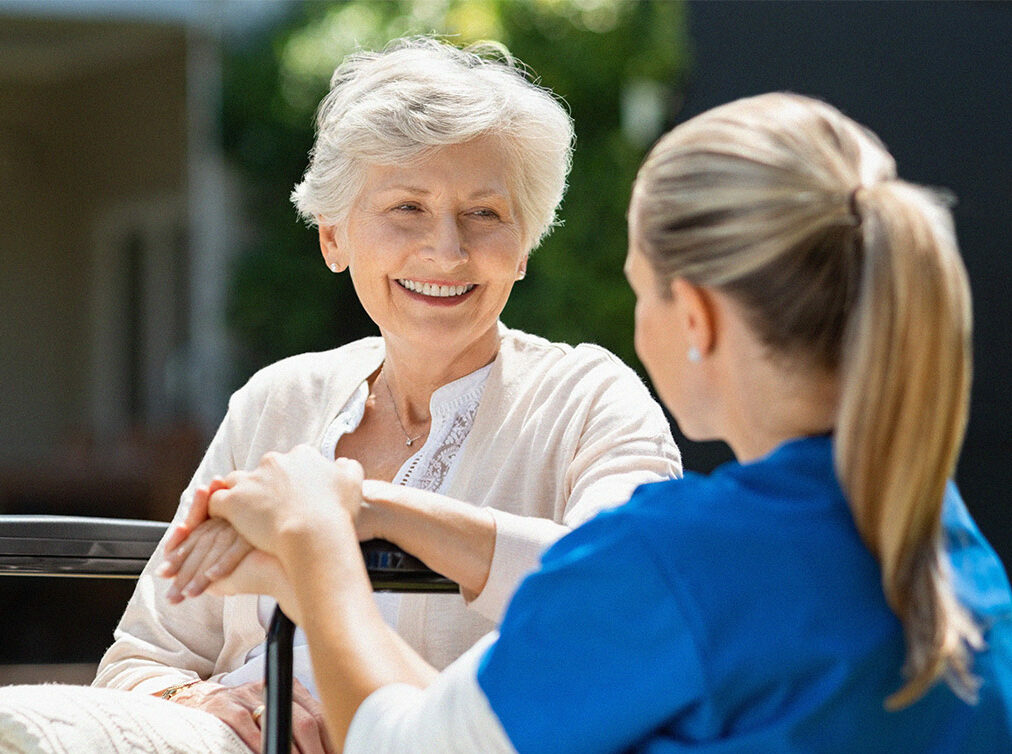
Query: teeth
point(439, 291)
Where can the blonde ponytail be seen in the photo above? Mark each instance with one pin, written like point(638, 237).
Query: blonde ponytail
point(905, 382)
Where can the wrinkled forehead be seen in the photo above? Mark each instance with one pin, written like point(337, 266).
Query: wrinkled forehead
point(474, 168)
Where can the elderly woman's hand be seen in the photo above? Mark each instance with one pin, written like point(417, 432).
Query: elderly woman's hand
point(210, 552)
point(196, 514)
point(200, 550)
point(241, 708)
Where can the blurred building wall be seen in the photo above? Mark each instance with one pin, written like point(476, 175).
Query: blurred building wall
point(87, 144)
point(113, 202)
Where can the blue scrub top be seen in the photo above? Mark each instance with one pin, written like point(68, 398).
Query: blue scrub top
point(737, 612)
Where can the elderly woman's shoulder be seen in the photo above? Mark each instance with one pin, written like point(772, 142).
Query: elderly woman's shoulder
point(309, 371)
point(536, 349)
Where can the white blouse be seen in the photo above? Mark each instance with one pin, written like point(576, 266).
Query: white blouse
point(452, 408)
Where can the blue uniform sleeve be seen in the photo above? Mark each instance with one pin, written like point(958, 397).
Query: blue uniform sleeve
point(977, 572)
point(595, 650)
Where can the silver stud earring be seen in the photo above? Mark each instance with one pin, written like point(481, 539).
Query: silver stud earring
point(333, 266)
point(694, 355)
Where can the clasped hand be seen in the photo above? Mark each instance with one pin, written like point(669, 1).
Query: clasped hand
point(234, 539)
point(239, 528)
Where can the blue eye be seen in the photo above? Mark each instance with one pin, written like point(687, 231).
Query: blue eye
point(492, 214)
point(407, 208)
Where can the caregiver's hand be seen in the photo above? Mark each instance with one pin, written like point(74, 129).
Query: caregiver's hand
point(259, 573)
point(286, 495)
point(287, 491)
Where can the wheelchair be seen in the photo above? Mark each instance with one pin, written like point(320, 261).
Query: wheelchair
point(104, 548)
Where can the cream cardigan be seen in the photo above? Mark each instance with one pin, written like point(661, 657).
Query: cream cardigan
point(561, 433)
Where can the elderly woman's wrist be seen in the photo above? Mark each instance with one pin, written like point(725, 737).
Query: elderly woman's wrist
point(171, 691)
point(374, 521)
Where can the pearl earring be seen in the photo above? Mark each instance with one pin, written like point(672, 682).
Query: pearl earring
point(333, 266)
point(694, 355)
point(522, 274)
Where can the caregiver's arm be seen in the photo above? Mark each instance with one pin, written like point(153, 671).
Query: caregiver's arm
point(353, 651)
point(378, 695)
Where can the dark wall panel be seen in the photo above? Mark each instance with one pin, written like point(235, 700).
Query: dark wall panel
point(934, 80)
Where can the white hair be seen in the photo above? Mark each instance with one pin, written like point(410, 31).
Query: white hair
point(420, 94)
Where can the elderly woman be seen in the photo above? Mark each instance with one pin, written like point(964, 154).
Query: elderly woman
point(826, 592)
point(434, 174)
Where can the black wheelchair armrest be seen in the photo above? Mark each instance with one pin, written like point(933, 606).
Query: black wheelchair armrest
point(76, 546)
point(62, 546)
point(119, 548)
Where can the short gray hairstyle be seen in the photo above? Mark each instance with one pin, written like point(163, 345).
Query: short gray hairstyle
point(420, 94)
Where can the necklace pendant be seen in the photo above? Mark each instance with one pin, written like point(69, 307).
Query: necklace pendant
point(408, 443)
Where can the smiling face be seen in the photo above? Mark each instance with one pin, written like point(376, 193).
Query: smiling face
point(433, 249)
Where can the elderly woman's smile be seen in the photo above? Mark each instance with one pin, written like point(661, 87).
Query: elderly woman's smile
point(436, 289)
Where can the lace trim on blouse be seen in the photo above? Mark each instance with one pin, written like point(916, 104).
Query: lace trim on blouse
point(452, 408)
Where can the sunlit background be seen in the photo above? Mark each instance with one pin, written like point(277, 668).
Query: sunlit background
point(150, 259)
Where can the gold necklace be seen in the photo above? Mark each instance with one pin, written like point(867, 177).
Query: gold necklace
point(393, 404)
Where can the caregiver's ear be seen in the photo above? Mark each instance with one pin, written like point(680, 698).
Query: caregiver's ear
point(696, 308)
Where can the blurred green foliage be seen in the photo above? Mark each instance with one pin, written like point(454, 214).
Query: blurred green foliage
point(619, 65)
